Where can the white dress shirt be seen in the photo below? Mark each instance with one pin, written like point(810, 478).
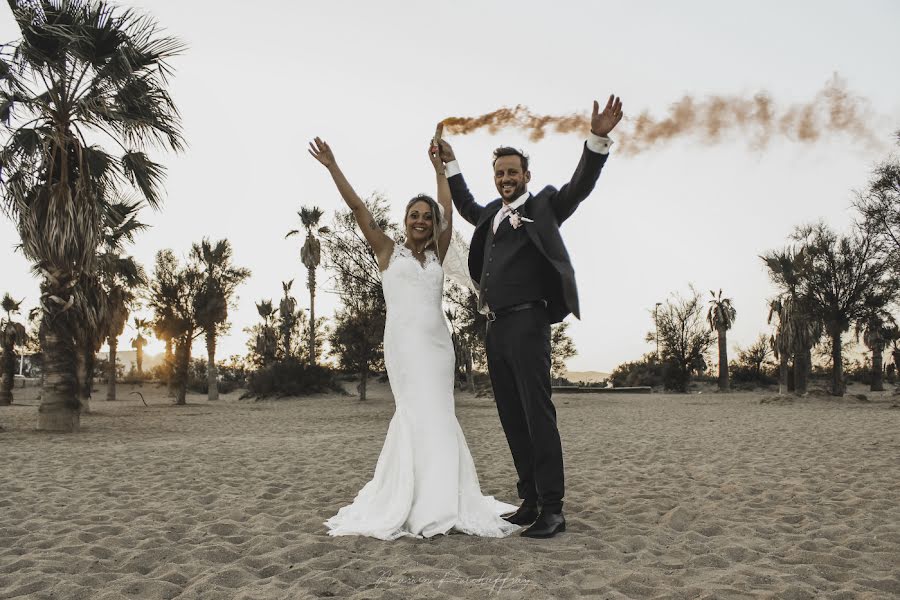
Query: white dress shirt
point(508, 207)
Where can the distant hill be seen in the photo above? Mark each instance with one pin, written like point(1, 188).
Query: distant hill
point(586, 376)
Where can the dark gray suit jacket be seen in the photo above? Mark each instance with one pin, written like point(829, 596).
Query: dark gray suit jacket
point(549, 208)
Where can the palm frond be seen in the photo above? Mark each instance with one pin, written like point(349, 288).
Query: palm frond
point(309, 216)
point(145, 174)
point(9, 305)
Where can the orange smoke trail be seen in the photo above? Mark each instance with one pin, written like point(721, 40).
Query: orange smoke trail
point(713, 119)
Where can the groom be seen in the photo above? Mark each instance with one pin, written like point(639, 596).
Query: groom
point(526, 282)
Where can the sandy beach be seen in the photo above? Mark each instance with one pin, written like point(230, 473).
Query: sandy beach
point(668, 496)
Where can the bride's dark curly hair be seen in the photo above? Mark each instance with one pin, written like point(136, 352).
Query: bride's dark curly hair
point(435, 217)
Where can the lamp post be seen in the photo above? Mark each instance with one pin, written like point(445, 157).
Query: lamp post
point(656, 322)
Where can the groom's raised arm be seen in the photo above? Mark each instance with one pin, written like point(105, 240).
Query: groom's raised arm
point(596, 151)
point(462, 198)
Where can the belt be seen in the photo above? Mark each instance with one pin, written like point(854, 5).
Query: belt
point(506, 310)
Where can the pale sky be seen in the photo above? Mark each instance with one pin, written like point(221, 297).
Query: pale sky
point(373, 78)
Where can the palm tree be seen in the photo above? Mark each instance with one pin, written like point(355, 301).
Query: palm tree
point(877, 329)
point(311, 255)
point(12, 334)
point(288, 309)
point(266, 340)
point(808, 330)
point(120, 300)
point(173, 290)
point(164, 328)
point(219, 280)
point(119, 278)
point(798, 329)
point(721, 317)
point(99, 295)
point(782, 340)
point(843, 274)
point(796, 333)
point(89, 328)
point(83, 70)
point(141, 326)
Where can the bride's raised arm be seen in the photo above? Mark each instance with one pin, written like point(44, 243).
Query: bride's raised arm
point(445, 200)
point(378, 240)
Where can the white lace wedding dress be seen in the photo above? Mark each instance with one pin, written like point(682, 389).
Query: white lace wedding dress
point(425, 482)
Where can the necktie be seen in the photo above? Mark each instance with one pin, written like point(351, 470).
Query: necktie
point(503, 212)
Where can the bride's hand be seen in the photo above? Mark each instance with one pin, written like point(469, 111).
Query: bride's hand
point(321, 151)
point(434, 156)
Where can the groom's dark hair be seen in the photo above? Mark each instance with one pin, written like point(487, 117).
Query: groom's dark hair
point(510, 151)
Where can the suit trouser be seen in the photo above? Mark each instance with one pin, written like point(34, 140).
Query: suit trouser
point(518, 353)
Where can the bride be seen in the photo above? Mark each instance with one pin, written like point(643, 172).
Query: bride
point(425, 482)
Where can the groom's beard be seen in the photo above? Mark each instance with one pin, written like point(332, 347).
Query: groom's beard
point(520, 189)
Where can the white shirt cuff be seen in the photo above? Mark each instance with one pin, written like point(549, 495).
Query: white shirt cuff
point(451, 169)
point(597, 144)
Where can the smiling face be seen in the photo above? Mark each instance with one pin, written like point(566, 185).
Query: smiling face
point(510, 178)
point(419, 222)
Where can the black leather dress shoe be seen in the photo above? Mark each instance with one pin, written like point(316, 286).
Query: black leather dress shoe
point(546, 526)
point(524, 516)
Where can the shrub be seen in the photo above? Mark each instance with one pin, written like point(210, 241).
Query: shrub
point(292, 378)
point(858, 371)
point(101, 370)
point(645, 372)
point(748, 377)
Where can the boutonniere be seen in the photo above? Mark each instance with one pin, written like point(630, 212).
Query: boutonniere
point(516, 220)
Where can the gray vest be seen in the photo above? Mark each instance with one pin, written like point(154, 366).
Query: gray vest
point(514, 271)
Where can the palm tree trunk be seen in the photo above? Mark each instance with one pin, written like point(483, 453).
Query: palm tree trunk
point(82, 378)
point(140, 359)
point(783, 373)
point(182, 363)
point(723, 360)
point(792, 377)
point(877, 370)
point(7, 372)
point(111, 374)
point(212, 392)
point(312, 316)
point(802, 363)
point(837, 367)
point(59, 400)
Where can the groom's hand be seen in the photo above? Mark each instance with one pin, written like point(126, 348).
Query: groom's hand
point(445, 151)
point(604, 122)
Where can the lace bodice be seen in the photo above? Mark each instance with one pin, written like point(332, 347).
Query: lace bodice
point(411, 286)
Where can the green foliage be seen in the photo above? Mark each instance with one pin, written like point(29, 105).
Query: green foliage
point(358, 335)
point(101, 370)
point(467, 324)
point(721, 314)
point(219, 280)
point(879, 206)
point(562, 348)
point(647, 371)
point(684, 339)
point(859, 371)
point(292, 378)
point(754, 366)
point(357, 340)
point(173, 290)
